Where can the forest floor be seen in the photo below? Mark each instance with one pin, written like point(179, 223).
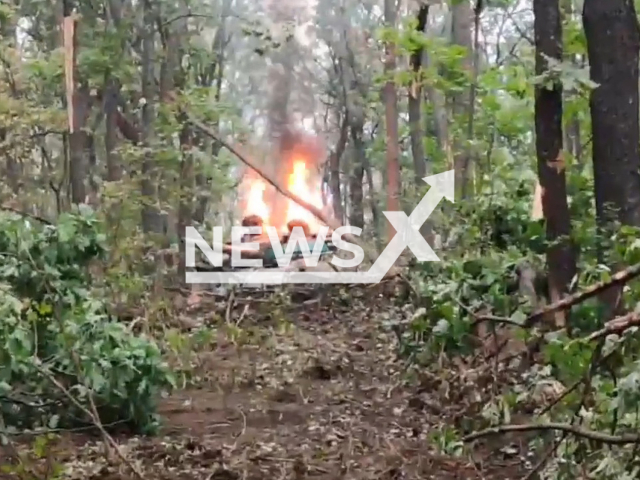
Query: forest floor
point(321, 396)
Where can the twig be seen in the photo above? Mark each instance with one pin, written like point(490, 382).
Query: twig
point(230, 304)
point(619, 278)
point(94, 418)
point(242, 315)
point(477, 318)
point(545, 458)
point(25, 214)
point(562, 427)
point(244, 427)
point(617, 325)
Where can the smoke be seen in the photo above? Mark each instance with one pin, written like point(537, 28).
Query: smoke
point(289, 142)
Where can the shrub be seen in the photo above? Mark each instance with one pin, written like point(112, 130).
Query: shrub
point(56, 326)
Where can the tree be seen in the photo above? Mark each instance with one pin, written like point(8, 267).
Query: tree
point(461, 22)
point(613, 59)
point(613, 45)
point(414, 106)
point(391, 117)
point(561, 261)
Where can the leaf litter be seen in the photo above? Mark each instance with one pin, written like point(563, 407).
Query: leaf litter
point(324, 398)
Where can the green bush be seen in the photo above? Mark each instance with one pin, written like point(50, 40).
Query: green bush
point(55, 326)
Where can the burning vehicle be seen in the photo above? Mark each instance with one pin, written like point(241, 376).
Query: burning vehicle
point(261, 210)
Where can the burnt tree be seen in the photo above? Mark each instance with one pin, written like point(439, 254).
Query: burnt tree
point(561, 262)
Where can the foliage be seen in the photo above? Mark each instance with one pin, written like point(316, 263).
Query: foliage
point(56, 327)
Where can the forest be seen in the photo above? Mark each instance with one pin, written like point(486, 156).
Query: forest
point(502, 343)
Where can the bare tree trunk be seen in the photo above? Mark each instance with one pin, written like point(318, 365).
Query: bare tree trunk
point(561, 260)
point(334, 170)
point(440, 118)
point(356, 178)
point(613, 56)
point(354, 100)
point(78, 144)
point(215, 72)
point(110, 104)
point(613, 45)
point(415, 104)
point(114, 169)
point(373, 203)
point(152, 221)
point(462, 18)
point(573, 140)
point(391, 119)
point(415, 115)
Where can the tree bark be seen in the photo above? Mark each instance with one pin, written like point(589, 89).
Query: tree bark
point(78, 142)
point(355, 111)
point(613, 46)
point(391, 119)
point(415, 104)
point(114, 169)
point(356, 177)
point(613, 43)
point(415, 115)
point(152, 221)
point(462, 19)
point(561, 260)
point(334, 170)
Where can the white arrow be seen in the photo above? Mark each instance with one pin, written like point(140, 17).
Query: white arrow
point(408, 228)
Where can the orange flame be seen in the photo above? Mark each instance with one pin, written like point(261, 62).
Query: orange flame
point(255, 201)
point(299, 185)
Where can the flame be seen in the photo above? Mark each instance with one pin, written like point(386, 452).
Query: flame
point(255, 201)
point(299, 185)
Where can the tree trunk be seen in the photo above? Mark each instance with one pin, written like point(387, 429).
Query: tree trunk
point(561, 260)
point(215, 72)
point(114, 170)
point(152, 221)
point(391, 119)
point(462, 19)
point(415, 105)
point(415, 116)
point(78, 144)
point(356, 178)
point(334, 170)
point(613, 45)
point(440, 118)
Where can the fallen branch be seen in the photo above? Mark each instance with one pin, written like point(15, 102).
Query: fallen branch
point(616, 326)
point(619, 278)
point(235, 150)
point(25, 214)
point(561, 427)
point(93, 416)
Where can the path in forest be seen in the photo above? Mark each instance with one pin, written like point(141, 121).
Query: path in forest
point(322, 399)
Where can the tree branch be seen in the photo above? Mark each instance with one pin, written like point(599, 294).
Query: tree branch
point(619, 278)
point(617, 325)
point(562, 427)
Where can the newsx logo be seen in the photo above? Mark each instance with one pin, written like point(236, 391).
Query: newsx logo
point(407, 235)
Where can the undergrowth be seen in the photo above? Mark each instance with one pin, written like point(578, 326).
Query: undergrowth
point(62, 353)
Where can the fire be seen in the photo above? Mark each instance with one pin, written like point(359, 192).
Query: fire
point(255, 201)
point(300, 182)
point(299, 185)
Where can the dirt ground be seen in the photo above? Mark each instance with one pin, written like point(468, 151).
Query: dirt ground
point(321, 397)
